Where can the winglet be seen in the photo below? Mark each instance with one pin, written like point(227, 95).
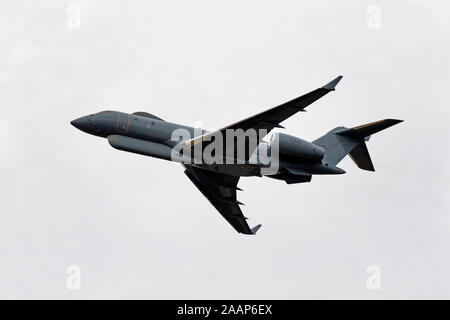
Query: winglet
point(332, 85)
point(256, 228)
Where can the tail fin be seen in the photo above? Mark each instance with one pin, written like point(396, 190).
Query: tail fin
point(342, 141)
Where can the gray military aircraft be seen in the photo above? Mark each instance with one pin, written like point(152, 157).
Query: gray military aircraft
point(296, 159)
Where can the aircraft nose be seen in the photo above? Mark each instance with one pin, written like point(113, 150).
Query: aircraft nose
point(82, 123)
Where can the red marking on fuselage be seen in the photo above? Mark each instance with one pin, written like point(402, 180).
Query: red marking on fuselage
point(117, 122)
point(128, 125)
point(118, 129)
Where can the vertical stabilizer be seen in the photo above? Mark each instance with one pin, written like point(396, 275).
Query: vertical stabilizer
point(352, 141)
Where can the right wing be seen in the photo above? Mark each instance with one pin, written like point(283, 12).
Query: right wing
point(271, 118)
point(220, 189)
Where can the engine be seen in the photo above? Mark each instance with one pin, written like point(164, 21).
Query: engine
point(296, 148)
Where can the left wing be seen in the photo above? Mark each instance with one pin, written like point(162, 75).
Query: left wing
point(271, 118)
point(220, 189)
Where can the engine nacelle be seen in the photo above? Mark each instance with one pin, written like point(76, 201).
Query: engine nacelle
point(296, 147)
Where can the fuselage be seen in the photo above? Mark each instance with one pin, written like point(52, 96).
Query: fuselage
point(151, 136)
point(108, 123)
point(214, 161)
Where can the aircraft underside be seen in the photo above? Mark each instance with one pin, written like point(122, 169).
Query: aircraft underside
point(292, 159)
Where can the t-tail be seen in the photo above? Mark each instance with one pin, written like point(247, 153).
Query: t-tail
point(352, 141)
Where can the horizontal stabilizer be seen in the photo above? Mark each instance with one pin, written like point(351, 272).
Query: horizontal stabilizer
point(361, 157)
point(341, 141)
point(368, 129)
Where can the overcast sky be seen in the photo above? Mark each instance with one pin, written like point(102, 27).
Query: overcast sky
point(138, 228)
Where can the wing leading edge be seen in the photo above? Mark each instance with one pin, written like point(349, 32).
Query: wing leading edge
point(272, 118)
point(220, 190)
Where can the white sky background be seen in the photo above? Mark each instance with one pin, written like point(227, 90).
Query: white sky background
point(138, 228)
